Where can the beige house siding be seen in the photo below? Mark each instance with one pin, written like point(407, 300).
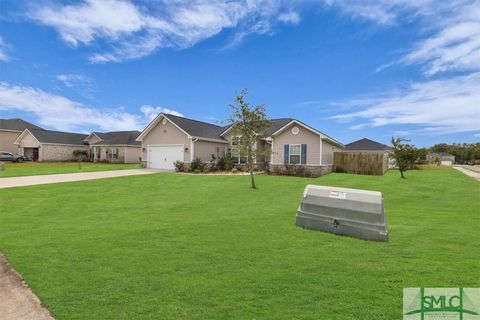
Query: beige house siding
point(205, 149)
point(58, 152)
point(304, 136)
point(125, 154)
point(327, 152)
point(132, 154)
point(166, 134)
point(6, 141)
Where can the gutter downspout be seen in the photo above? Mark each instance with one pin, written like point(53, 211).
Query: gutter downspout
point(270, 142)
point(192, 147)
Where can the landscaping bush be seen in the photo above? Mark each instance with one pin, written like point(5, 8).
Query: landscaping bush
point(179, 166)
point(80, 155)
point(196, 171)
point(197, 164)
point(213, 164)
point(234, 170)
point(227, 163)
point(206, 171)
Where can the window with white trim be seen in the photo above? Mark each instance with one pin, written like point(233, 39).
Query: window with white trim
point(295, 151)
point(113, 153)
point(235, 151)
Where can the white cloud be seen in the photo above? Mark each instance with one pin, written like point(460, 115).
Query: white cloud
point(61, 113)
point(3, 55)
point(450, 29)
point(455, 46)
point(439, 106)
point(291, 17)
point(71, 80)
point(152, 112)
point(134, 31)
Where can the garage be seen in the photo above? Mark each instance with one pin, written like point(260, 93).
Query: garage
point(163, 157)
point(447, 163)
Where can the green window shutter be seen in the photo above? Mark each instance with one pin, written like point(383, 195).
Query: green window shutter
point(304, 154)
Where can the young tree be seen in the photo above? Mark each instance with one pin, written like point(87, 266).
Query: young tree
point(405, 155)
point(249, 124)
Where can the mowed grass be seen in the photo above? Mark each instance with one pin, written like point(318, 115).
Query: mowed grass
point(38, 168)
point(170, 246)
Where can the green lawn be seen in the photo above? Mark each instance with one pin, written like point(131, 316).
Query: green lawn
point(36, 168)
point(170, 246)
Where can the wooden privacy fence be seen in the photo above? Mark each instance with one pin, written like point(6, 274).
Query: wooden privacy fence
point(372, 163)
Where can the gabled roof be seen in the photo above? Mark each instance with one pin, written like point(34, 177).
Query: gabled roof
point(192, 128)
point(118, 138)
point(56, 137)
point(367, 145)
point(16, 125)
point(203, 130)
point(197, 128)
point(275, 125)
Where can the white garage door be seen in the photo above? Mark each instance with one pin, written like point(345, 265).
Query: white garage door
point(447, 162)
point(163, 157)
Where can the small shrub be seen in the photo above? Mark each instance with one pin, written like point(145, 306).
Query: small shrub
point(228, 163)
point(206, 171)
point(197, 171)
point(234, 170)
point(80, 153)
point(197, 164)
point(179, 166)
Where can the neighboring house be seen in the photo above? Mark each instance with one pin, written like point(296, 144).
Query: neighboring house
point(366, 145)
point(443, 158)
point(115, 146)
point(10, 129)
point(170, 138)
point(48, 145)
point(370, 146)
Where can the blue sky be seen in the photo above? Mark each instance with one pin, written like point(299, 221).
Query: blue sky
point(349, 68)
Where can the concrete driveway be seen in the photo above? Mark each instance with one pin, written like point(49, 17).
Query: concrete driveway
point(68, 177)
point(472, 171)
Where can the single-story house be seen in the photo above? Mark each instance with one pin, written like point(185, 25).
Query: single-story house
point(169, 138)
point(10, 129)
point(115, 146)
point(48, 145)
point(443, 158)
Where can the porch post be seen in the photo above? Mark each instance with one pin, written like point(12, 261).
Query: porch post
point(94, 154)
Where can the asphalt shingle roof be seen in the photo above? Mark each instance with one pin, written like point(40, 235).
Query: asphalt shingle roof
point(49, 136)
point(197, 128)
point(366, 144)
point(275, 125)
point(118, 138)
point(16, 125)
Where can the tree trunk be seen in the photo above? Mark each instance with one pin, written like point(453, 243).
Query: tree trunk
point(252, 177)
point(250, 167)
point(401, 174)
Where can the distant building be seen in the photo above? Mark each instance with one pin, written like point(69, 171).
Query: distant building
point(10, 129)
point(370, 146)
point(366, 145)
point(443, 158)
